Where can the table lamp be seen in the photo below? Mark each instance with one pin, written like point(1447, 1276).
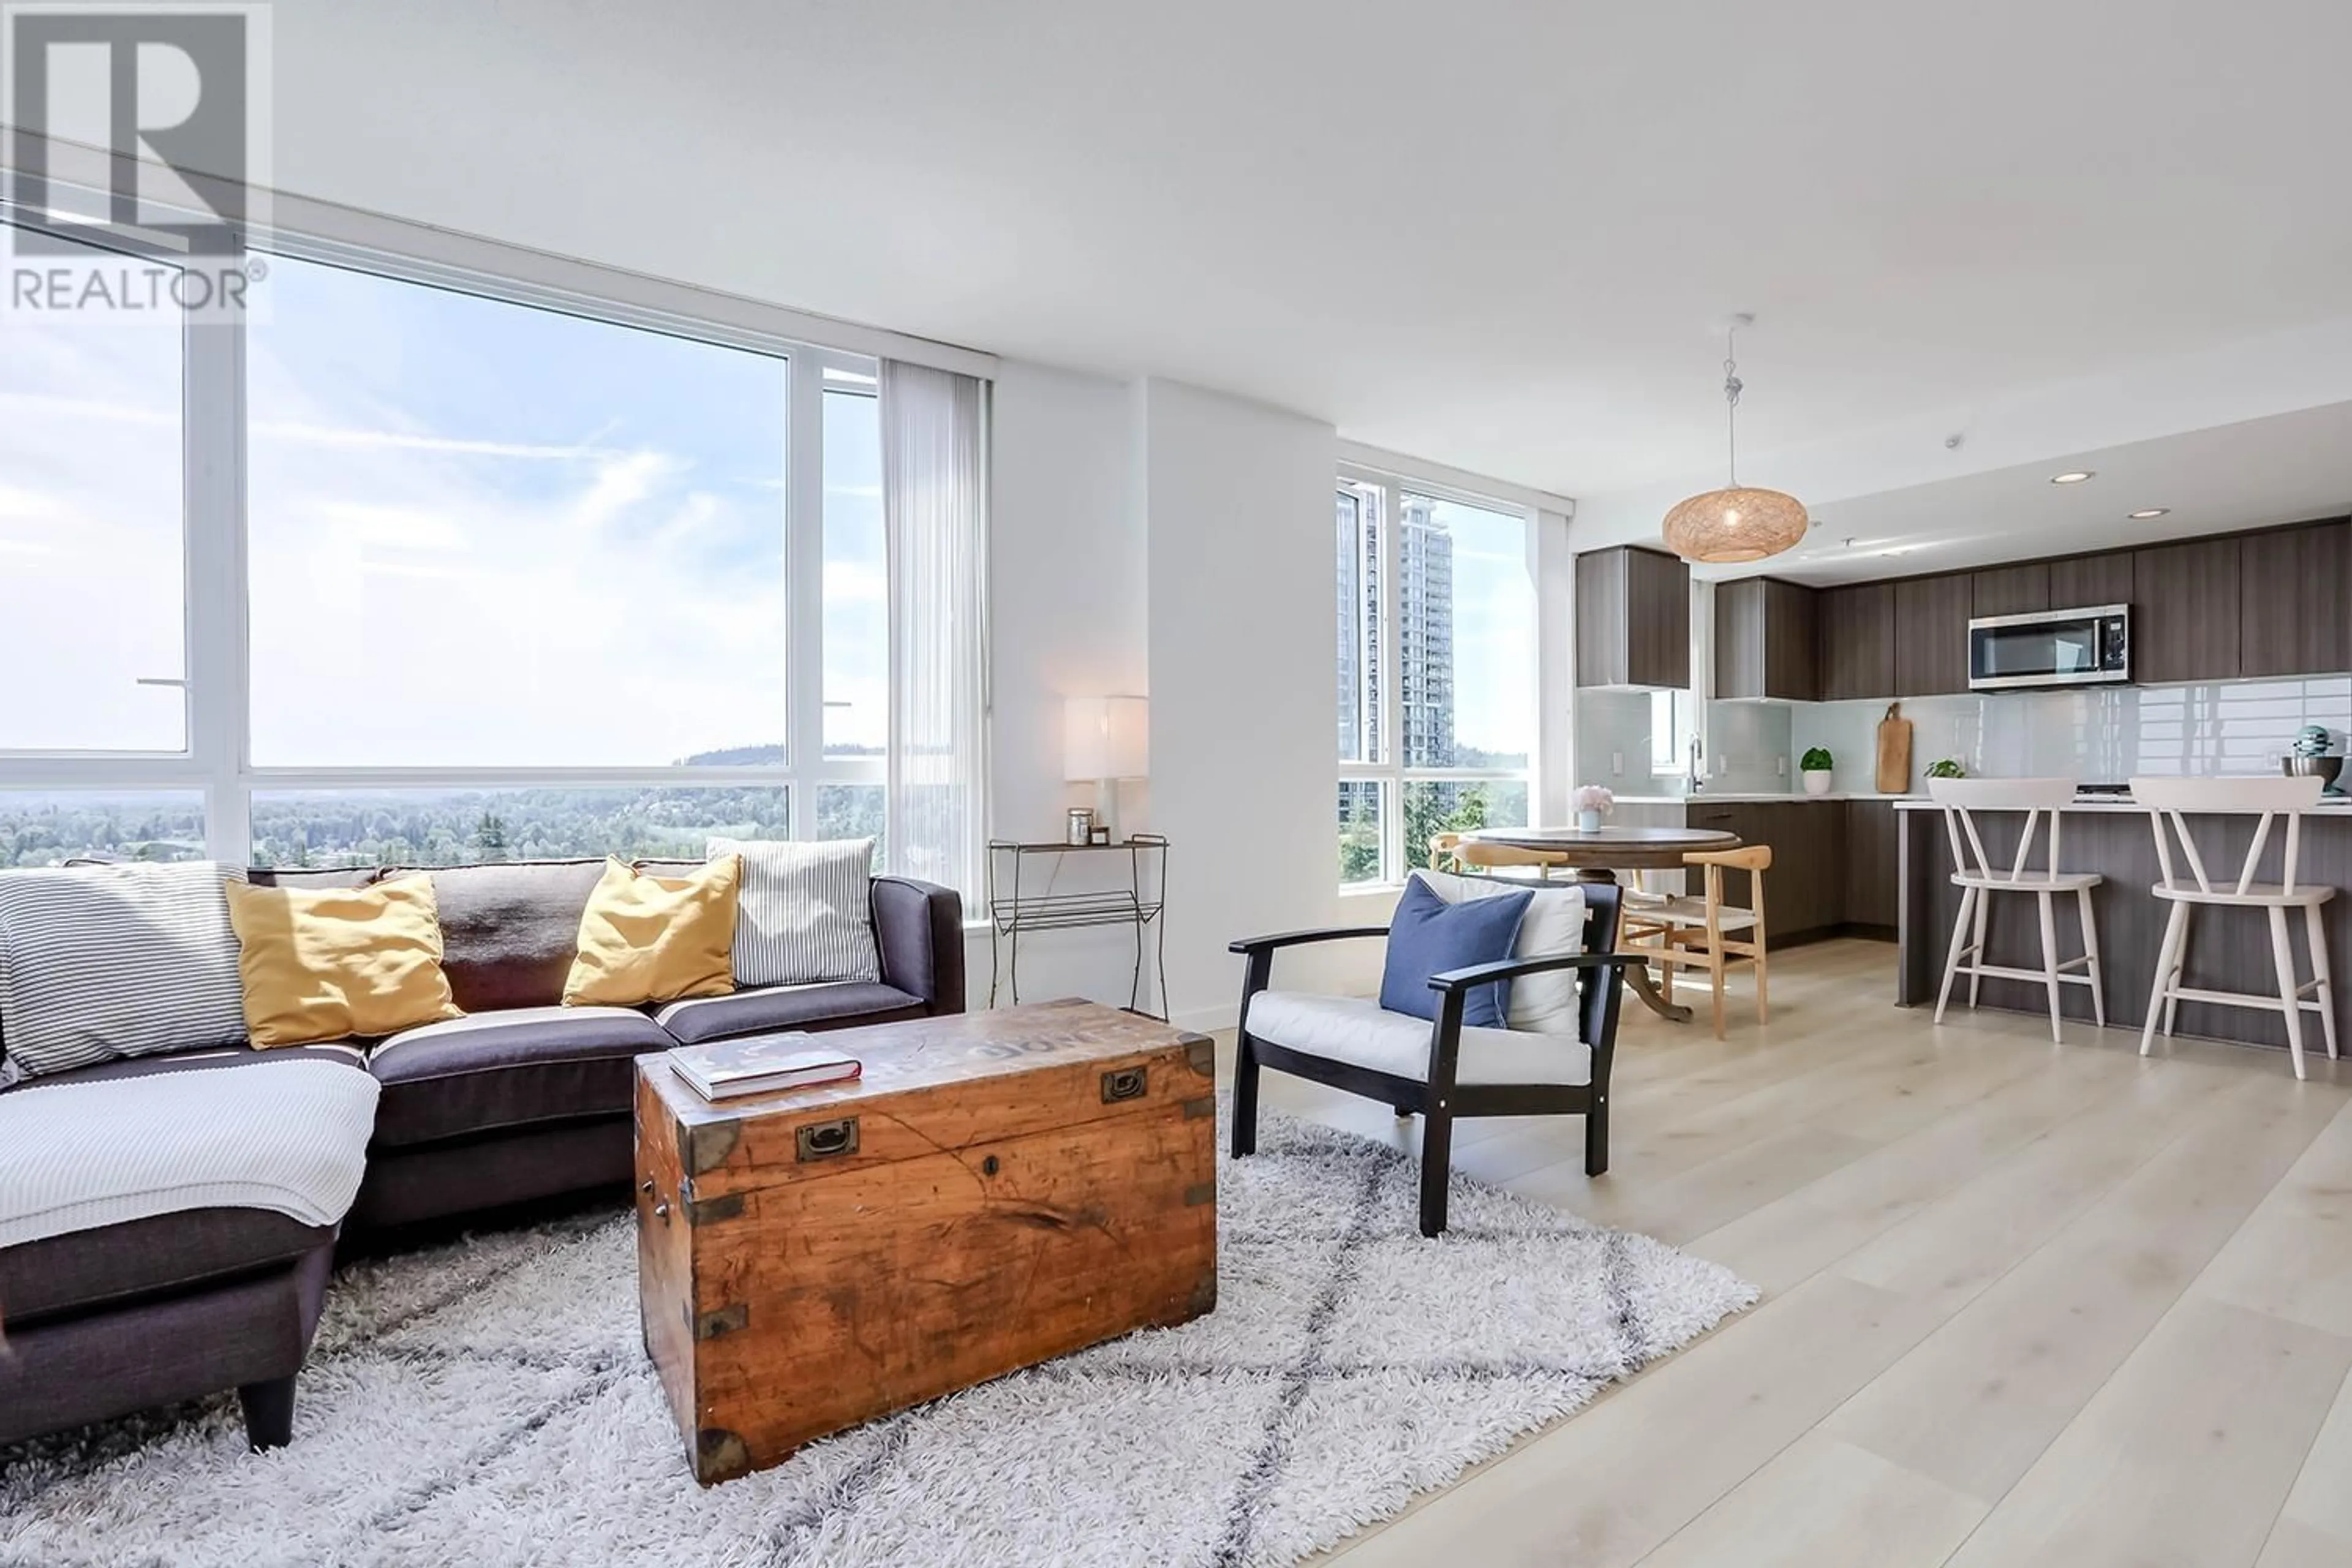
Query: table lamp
point(1106, 739)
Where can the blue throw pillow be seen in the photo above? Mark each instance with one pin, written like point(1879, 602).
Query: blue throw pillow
point(1429, 936)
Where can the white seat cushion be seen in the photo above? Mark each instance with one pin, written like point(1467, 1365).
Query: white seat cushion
point(1360, 1031)
point(289, 1136)
point(1554, 924)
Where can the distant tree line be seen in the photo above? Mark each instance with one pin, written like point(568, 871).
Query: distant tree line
point(1431, 807)
point(426, 826)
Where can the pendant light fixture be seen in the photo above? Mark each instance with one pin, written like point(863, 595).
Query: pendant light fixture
point(1735, 523)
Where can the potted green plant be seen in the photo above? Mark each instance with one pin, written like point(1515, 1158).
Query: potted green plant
point(1947, 768)
point(1815, 766)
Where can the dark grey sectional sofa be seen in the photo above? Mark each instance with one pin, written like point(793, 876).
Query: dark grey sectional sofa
point(520, 1100)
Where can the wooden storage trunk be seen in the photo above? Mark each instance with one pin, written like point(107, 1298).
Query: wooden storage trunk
point(1000, 1188)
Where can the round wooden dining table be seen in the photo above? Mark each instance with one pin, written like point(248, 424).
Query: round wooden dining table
point(1598, 854)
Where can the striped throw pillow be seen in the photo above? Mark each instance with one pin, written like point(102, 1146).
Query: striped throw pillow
point(100, 961)
point(802, 914)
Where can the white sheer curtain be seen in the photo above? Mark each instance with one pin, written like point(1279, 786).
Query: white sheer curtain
point(935, 512)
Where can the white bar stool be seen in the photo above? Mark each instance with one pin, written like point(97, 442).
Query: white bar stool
point(2274, 797)
point(1979, 879)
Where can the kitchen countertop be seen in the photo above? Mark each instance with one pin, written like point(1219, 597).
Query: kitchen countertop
point(1745, 798)
point(2331, 805)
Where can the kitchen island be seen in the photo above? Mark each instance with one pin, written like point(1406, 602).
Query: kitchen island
point(2228, 949)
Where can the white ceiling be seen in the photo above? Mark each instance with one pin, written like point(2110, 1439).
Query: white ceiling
point(1490, 235)
point(2287, 468)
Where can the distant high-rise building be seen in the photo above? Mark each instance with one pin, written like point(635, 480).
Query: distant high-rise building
point(1424, 640)
point(1359, 600)
point(1425, 632)
point(1426, 635)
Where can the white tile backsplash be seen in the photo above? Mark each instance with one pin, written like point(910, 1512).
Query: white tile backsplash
point(2103, 734)
point(2100, 734)
point(1750, 743)
point(1612, 743)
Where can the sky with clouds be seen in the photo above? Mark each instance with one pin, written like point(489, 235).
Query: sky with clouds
point(485, 535)
point(480, 535)
point(90, 538)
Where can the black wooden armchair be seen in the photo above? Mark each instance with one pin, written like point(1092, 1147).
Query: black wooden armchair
point(1421, 1067)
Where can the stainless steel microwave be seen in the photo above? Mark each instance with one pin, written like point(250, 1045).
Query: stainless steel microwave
point(2051, 647)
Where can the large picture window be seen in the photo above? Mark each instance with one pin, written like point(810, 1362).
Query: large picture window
point(93, 544)
point(1436, 671)
point(421, 566)
point(485, 535)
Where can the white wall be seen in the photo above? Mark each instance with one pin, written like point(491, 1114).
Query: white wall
point(1152, 538)
point(1237, 502)
point(1066, 619)
point(1067, 575)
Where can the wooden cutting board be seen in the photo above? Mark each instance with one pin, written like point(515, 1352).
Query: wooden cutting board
point(1895, 752)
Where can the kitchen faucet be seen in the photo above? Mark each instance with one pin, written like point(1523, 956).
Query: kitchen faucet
point(1694, 781)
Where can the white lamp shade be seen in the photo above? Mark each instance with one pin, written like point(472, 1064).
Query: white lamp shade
point(1106, 737)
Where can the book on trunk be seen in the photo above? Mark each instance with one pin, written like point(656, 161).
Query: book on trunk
point(726, 1068)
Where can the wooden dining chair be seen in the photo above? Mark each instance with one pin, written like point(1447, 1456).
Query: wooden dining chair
point(1454, 853)
point(1474, 856)
point(1696, 932)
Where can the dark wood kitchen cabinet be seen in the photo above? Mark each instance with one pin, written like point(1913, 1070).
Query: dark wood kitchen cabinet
point(1804, 890)
point(1633, 618)
point(1833, 861)
point(2186, 609)
point(2012, 590)
point(1871, 895)
point(2084, 582)
point(2293, 601)
point(1767, 640)
point(1931, 635)
point(1857, 641)
point(1748, 819)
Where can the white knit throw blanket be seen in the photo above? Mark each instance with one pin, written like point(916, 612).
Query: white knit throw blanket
point(287, 1135)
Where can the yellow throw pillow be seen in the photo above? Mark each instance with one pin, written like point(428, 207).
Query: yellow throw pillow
point(656, 939)
point(328, 963)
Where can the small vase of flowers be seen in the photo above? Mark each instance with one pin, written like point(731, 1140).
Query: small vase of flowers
point(1815, 766)
point(1592, 802)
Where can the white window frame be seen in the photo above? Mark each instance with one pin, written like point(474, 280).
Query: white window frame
point(217, 762)
point(1398, 857)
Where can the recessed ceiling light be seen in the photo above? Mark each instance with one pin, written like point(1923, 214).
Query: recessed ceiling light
point(2074, 477)
point(2145, 512)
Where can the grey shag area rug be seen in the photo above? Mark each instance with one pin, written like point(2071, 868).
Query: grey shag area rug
point(489, 1402)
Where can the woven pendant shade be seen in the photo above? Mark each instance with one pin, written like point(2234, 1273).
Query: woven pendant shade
point(1735, 523)
point(1732, 525)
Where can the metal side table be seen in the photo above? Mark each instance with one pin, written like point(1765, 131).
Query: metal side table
point(1016, 906)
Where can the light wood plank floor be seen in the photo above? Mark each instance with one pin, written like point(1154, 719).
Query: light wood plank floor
point(2025, 1304)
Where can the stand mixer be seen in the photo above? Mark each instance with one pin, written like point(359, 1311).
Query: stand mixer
point(2310, 755)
